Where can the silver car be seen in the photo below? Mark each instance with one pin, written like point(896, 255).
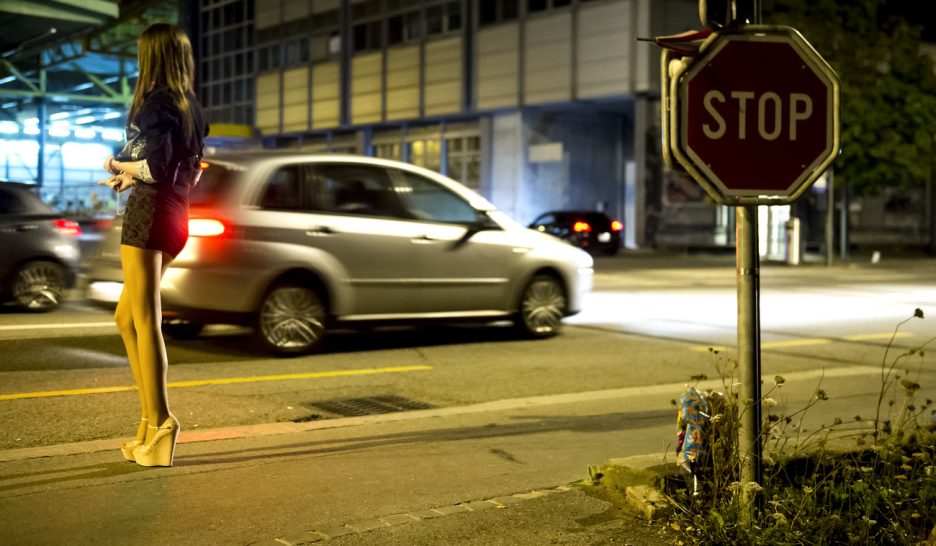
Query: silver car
point(296, 244)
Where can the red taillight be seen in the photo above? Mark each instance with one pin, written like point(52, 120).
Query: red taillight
point(616, 226)
point(205, 227)
point(67, 227)
point(580, 227)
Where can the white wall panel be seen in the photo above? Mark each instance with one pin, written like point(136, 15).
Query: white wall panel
point(548, 63)
point(605, 38)
point(268, 102)
point(267, 13)
point(498, 60)
point(443, 76)
point(296, 99)
point(403, 82)
point(366, 88)
point(321, 6)
point(325, 95)
point(294, 9)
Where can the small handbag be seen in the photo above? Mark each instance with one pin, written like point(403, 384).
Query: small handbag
point(133, 151)
point(136, 143)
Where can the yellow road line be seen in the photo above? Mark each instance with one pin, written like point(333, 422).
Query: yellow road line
point(221, 381)
point(886, 335)
point(803, 342)
point(794, 343)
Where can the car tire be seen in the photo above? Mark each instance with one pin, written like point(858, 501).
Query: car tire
point(38, 286)
point(291, 319)
point(182, 330)
point(542, 306)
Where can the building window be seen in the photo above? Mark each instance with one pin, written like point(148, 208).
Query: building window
point(426, 153)
point(498, 11)
point(463, 160)
point(443, 18)
point(296, 51)
point(388, 151)
point(405, 27)
point(367, 36)
point(227, 66)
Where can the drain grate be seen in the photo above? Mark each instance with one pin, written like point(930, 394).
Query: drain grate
point(372, 405)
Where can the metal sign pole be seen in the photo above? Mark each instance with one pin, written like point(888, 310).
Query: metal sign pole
point(749, 361)
point(749, 364)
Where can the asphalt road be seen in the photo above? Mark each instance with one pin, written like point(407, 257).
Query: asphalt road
point(651, 320)
point(268, 450)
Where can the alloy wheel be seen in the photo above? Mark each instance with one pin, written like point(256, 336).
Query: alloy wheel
point(292, 319)
point(543, 306)
point(39, 286)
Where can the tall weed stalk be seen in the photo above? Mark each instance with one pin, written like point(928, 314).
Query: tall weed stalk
point(855, 481)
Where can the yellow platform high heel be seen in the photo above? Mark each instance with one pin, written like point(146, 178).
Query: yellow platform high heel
point(160, 451)
point(127, 447)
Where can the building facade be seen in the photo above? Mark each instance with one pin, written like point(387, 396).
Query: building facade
point(537, 104)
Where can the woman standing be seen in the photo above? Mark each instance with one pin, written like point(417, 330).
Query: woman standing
point(165, 134)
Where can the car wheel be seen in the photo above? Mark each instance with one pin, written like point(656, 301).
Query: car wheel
point(180, 329)
point(38, 286)
point(542, 307)
point(291, 319)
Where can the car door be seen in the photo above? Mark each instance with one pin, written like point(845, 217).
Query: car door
point(16, 230)
point(355, 215)
point(340, 219)
point(465, 260)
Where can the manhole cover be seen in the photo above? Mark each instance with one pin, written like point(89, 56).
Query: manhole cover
point(373, 405)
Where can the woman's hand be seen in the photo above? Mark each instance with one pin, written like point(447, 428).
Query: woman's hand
point(110, 167)
point(119, 182)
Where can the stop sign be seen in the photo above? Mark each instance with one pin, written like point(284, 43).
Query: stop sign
point(757, 116)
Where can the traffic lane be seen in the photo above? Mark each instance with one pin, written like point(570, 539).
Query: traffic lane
point(582, 359)
point(709, 315)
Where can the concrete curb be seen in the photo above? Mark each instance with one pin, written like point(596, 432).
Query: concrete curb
point(392, 520)
point(633, 482)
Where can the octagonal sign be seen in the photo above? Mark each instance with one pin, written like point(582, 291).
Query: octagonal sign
point(758, 116)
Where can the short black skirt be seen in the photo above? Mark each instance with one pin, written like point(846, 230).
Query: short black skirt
point(156, 218)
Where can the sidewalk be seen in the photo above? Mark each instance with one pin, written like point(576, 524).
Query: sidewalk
point(494, 473)
point(505, 472)
point(572, 515)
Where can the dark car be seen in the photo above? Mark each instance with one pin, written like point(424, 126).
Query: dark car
point(587, 229)
point(38, 250)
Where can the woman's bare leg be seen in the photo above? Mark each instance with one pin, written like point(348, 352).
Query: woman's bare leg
point(143, 270)
point(124, 319)
point(123, 316)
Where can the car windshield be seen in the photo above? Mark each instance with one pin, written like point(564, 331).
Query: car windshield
point(215, 182)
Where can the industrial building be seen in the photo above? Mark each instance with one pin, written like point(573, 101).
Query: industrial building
point(537, 104)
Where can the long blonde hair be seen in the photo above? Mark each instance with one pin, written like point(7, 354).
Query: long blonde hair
point(164, 55)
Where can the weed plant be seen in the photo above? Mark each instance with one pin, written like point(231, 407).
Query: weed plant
point(855, 481)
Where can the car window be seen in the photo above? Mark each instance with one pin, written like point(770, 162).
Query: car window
point(426, 200)
point(354, 189)
point(10, 203)
point(216, 180)
point(544, 220)
point(284, 189)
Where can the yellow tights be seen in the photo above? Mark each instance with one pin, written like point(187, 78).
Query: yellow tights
point(139, 320)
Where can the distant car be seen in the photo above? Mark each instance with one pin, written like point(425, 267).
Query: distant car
point(295, 244)
point(38, 250)
point(589, 230)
